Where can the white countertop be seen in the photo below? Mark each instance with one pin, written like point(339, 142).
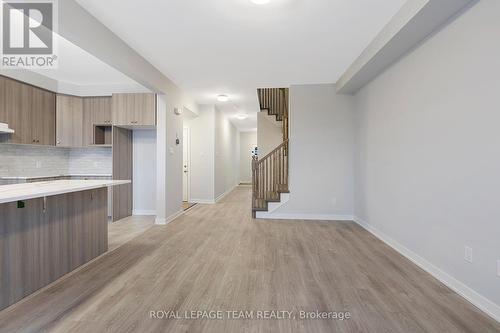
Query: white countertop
point(55, 176)
point(15, 192)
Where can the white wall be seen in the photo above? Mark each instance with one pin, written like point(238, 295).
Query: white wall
point(81, 28)
point(269, 133)
point(321, 153)
point(144, 166)
point(428, 160)
point(201, 169)
point(248, 141)
point(227, 155)
point(215, 155)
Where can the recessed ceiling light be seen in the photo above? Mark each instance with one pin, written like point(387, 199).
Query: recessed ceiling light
point(260, 2)
point(242, 116)
point(223, 98)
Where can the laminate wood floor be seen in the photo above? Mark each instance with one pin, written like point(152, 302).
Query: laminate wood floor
point(124, 230)
point(216, 257)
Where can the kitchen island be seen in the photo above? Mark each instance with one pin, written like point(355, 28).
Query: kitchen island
point(47, 229)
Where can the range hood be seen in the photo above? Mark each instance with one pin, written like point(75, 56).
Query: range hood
point(4, 128)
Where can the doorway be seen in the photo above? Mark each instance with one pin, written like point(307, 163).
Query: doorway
point(186, 169)
point(185, 164)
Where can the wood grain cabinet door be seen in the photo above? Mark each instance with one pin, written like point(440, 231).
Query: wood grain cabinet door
point(145, 109)
point(17, 111)
point(29, 111)
point(101, 110)
point(69, 121)
point(96, 111)
point(121, 109)
point(134, 109)
point(43, 110)
point(3, 113)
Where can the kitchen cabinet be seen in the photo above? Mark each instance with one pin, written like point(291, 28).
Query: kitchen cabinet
point(48, 238)
point(129, 110)
point(69, 121)
point(43, 117)
point(96, 111)
point(29, 111)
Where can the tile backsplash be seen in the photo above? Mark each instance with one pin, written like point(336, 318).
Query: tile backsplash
point(28, 161)
point(90, 160)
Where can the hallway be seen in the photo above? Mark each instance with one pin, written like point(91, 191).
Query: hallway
point(215, 257)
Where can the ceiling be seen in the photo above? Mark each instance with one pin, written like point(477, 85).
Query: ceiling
point(233, 47)
point(78, 67)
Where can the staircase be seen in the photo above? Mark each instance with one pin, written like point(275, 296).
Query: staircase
point(270, 173)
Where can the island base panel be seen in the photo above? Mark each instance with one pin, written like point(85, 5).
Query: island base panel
point(48, 238)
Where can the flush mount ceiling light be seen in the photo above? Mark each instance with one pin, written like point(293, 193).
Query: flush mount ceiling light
point(260, 2)
point(242, 116)
point(223, 98)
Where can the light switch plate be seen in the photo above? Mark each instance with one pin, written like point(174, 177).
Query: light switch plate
point(498, 268)
point(468, 254)
point(38, 164)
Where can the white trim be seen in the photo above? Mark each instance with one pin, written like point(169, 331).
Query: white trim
point(220, 197)
point(481, 302)
point(313, 217)
point(143, 212)
point(202, 201)
point(162, 221)
point(175, 216)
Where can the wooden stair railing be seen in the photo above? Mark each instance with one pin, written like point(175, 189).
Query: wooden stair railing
point(270, 173)
point(275, 102)
point(269, 177)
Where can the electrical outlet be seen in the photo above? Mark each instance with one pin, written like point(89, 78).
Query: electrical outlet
point(468, 254)
point(334, 201)
point(38, 164)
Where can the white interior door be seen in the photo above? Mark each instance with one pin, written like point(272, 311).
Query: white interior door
point(185, 164)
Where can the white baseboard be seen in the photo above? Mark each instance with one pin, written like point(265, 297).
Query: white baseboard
point(165, 221)
point(312, 217)
point(175, 215)
point(202, 201)
point(160, 221)
point(481, 302)
point(212, 201)
point(220, 197)
point(143, 212)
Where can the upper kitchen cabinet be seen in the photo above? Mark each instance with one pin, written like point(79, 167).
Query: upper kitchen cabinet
point(96, 118)
point(44, 117)
point(69, 121)
point(134, 110)
point(29, 111)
